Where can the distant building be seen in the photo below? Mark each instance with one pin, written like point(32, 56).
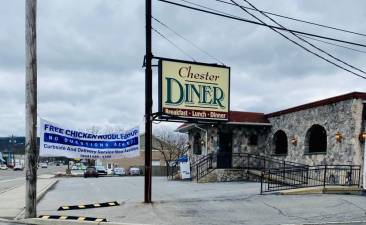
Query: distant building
point(325, 132)
point(158, 160)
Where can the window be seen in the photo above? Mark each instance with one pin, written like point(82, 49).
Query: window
point(253, 139)
point(316, 140)
point(280, 143)
point(155, 163)
point(197, 147)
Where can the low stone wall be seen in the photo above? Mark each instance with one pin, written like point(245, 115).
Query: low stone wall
point(229, 175)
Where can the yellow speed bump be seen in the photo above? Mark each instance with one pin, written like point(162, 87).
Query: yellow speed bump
point(88, 206)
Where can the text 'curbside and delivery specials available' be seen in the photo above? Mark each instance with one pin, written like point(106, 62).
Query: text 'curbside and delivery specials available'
point(194, 90)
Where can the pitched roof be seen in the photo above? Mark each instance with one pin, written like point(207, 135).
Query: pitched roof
point(247, 117)
point(328, 101)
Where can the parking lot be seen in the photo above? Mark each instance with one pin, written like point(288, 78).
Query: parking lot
point(182, 202)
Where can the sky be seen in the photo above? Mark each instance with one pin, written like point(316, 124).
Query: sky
point(90, 55)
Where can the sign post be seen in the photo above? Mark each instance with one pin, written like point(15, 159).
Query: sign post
point(148, 103)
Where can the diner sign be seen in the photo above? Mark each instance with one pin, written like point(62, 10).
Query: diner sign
point(194, 90)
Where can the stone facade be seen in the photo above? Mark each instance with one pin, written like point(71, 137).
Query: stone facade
point(344, 117)
point(240, 141)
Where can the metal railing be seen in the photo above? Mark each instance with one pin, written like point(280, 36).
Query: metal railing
point(173, 169)
point(262, 163)
point(207, 164)
point(311, 176)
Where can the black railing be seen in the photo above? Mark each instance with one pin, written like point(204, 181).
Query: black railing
point(259, 162)
point(311, 176)
point(203, 166)
point(207, 164)
point(173, 169)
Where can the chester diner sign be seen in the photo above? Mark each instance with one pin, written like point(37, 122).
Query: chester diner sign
point(194, 90)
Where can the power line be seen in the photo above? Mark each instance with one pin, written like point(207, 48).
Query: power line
point(294, 19)
point(304, 36)
point(300, 38)
point(330, 43)
point(301, 46)
point(226, 15)
point(172, 43)
point(187, 40)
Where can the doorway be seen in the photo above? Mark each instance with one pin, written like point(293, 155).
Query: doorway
point(224, 155)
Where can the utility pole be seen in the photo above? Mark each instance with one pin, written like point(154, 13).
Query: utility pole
point(148, 103)
point(31, 109)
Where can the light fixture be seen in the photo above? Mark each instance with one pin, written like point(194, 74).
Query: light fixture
point(362, 136)
point(339, 137)
point(294, 141)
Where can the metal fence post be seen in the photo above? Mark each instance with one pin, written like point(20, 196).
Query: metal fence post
point(325, 176)
point(197, 171)
point(262, 176)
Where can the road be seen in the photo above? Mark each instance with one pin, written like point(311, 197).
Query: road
point(194, 203)
point(10, 179)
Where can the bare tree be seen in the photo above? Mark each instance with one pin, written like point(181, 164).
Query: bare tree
point(171, 145)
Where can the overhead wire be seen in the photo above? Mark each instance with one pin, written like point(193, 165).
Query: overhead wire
point(172, 43)
point(330, 43)
point(295, 19)
point(187, 40)
point(294, 34)
point(304, 36)
point(230, 16)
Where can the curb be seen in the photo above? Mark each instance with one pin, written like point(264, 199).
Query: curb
point(46, 189)
point(41, 194)
point(36, 221)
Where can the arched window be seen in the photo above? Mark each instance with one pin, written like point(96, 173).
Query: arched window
point(316, 139)
point(197, 147)
point(280, 143)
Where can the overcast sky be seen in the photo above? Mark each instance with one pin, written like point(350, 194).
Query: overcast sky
point(90, 54)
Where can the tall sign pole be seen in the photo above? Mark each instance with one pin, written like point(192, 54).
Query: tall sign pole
point(148, 103)
point(31, 109)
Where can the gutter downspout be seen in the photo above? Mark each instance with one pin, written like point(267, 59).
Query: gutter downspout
point(204, 130)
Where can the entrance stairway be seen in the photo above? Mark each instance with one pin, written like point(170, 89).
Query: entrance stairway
point(275, 174)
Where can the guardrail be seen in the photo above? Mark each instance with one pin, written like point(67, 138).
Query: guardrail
point(311, 176)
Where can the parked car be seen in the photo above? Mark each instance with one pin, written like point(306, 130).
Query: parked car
point(90, 171)
point(119, 171)
point(18, 167)
point(101, 170)
point(43, 165)
point(135, 171)
point(3, 167)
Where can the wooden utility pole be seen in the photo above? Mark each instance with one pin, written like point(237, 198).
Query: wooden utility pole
point(31, 109)
point(148, 103)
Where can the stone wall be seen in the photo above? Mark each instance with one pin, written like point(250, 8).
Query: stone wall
point(344, 117)
point(241, 135)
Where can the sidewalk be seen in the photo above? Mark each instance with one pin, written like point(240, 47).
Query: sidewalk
point(12, 202)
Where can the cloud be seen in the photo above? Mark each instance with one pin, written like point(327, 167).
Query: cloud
point(90, 55)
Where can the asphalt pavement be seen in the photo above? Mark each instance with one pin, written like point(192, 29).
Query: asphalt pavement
point(181, 203)
point(10, 179)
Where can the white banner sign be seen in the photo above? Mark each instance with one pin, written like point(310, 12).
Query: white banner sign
point(57, 140)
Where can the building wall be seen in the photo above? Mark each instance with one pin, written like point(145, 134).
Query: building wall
point(240, 141)
point(344, 117)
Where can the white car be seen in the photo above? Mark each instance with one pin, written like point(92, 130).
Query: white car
point(43, 165)
point(119, 171)
point(18, 167)
point(135, 171)
point(3, 167)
